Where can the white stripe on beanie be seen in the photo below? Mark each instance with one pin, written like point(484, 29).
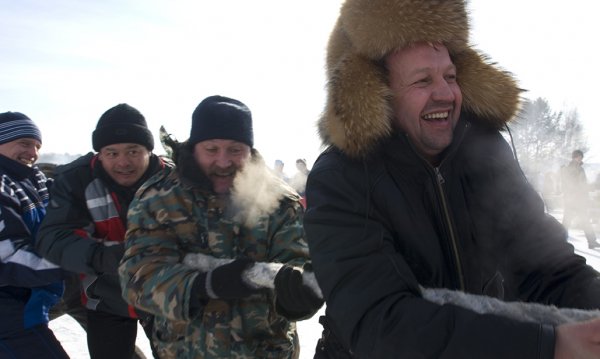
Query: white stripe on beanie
point(21, 128)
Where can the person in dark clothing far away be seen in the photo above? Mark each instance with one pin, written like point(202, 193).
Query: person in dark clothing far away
point(85, 225)
point(576, 197)
point(418, 189)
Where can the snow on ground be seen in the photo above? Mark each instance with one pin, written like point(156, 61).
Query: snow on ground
point(73, 338)
point(578, 240)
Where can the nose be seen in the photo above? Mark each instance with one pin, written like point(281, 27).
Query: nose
point(443, 91)
point(33, 152)
point(122, 160)
point(223, 159)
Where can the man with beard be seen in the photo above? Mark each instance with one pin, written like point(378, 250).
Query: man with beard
point(29, 284)
point(221, 203)
point(85, 225)
point(419, 189)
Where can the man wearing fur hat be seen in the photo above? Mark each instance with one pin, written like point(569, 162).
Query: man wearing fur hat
point(85, 225)
point(215, 248)
point(418, 189)
point(29, 284)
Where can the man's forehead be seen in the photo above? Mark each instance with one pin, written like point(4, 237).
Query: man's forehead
point(28, 140)
point(121, 146)
point(222, 142)
point(406, 64)
point(402, 55)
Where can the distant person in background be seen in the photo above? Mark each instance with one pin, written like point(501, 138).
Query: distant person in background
point(298, 181)
point(595, 200)
point(278, 168)
point(221, 203)
point(85, 226)
point(575, 189)
point(29, 284)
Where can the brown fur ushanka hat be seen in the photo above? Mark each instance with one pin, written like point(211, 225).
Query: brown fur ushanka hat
point(357, 114)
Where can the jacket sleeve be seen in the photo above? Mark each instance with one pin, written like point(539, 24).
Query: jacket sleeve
point(20, 266)
point(152, 262)
point(373, 303)
point(555, 274)
point(286, 232)
point(65, 235)
point(289, 246)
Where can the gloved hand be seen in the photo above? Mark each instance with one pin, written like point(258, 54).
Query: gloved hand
point(294, 300)
point(225, 281)
point(105, 259)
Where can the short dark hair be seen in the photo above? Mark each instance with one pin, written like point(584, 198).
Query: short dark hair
point(577, 153)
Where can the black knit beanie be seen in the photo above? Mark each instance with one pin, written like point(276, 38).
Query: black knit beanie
point(122, 124)
point(219, 117)
point(15, 125)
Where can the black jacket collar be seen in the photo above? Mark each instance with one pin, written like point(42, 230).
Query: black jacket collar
point(16, 169)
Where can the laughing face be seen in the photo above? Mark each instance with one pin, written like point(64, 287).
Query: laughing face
point(125, 163)
point(220, 160)
point(22, 150)
point(426, 97)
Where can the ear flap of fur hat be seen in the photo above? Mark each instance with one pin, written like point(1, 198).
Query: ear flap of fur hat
point(488, 92)
point(357, 114)
point(356, 92)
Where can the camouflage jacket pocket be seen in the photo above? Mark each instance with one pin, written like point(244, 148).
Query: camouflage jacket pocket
point(169, 338)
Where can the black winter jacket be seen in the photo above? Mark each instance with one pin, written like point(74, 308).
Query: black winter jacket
point(87, 214)
point(379, 227)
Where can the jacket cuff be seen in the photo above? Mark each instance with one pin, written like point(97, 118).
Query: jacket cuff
point(547, 341)
point(198, 294)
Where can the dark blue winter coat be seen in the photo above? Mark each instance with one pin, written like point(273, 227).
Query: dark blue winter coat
point(29, 285)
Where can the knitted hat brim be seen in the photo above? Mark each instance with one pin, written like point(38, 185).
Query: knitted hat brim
point(122, 133)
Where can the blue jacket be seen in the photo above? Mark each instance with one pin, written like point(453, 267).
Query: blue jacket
point(29, 285)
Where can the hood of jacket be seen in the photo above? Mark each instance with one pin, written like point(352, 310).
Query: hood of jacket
point(357, 114)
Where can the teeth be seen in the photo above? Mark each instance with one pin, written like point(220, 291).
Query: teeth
point(438, 115)
point(26, 161)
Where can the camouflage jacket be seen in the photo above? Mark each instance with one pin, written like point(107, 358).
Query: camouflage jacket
point(176, 213)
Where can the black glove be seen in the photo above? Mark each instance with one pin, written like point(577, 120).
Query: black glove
point(225, 282)
point(294, 301)
point(105, 259)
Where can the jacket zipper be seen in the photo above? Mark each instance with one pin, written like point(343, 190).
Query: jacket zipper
point(440, 181)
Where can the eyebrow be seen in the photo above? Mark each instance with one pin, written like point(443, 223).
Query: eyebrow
point(425, 70)
point(451, 66)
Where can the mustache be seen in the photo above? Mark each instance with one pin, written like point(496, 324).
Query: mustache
point(219, 171)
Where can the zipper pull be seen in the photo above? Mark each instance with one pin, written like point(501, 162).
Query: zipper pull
point(440, 178)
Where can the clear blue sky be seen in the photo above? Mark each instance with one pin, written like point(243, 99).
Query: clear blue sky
point(64, 62)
